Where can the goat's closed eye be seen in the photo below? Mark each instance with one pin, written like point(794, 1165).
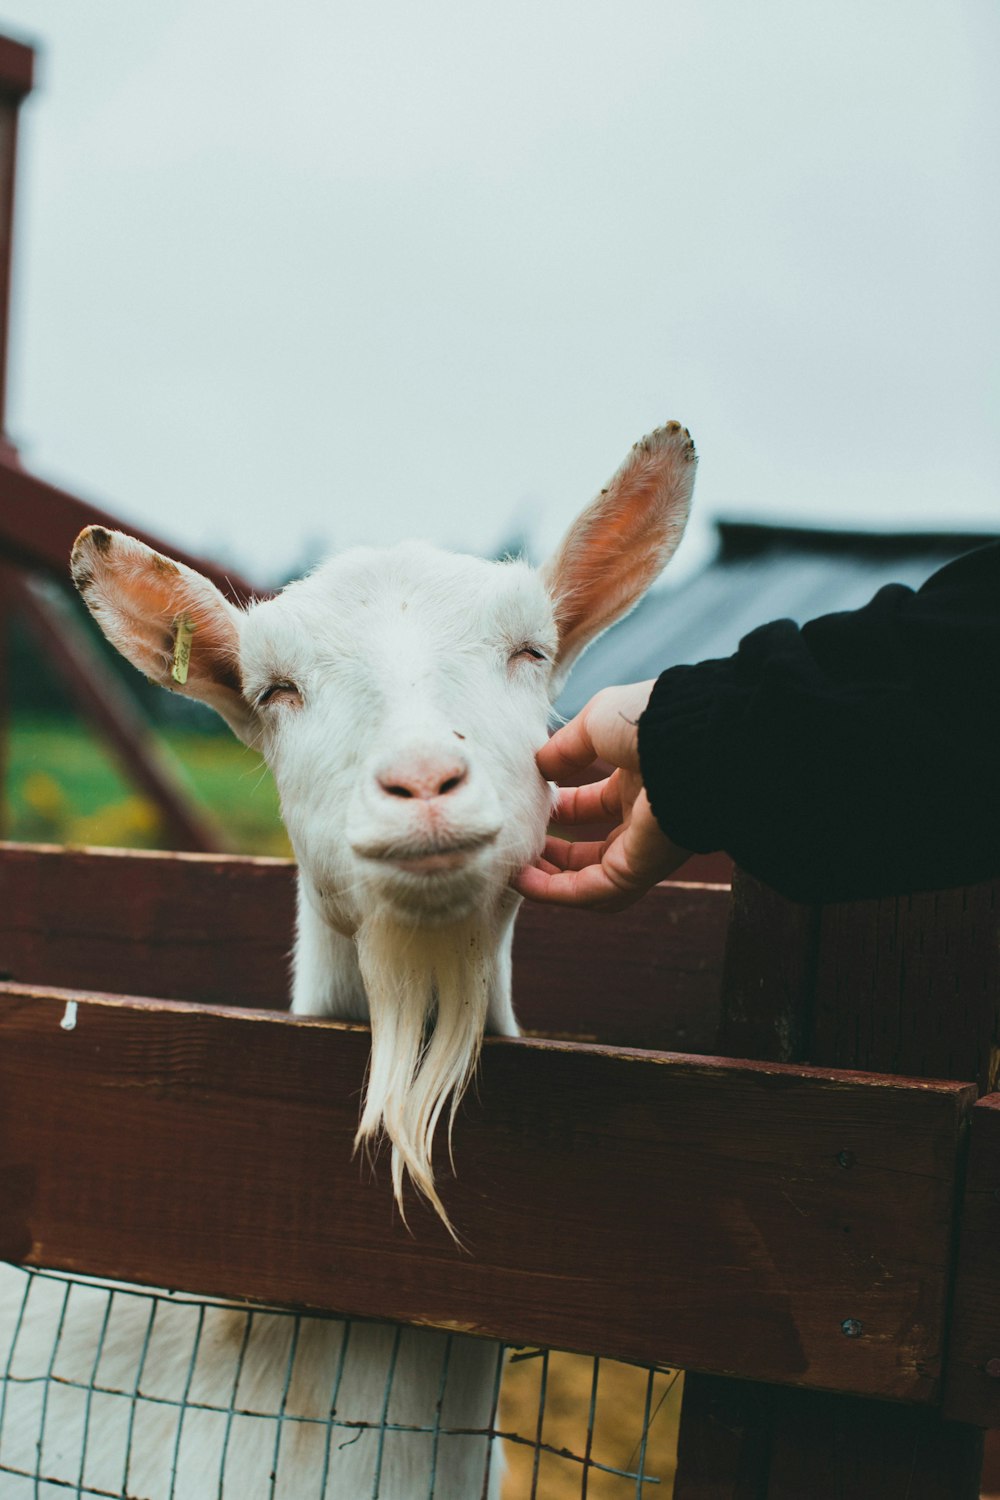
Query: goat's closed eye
point(527, 652)
point(284, 691)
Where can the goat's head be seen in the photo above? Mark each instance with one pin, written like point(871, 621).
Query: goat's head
point(399, 697)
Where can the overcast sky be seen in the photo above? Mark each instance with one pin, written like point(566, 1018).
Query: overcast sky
point(305, 275)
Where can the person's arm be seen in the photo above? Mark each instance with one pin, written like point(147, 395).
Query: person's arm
point(856, 756)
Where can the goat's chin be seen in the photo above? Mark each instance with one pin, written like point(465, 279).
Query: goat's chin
point(428, 995)
point(434, 896)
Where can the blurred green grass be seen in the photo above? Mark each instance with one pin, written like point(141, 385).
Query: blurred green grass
point(64, 787)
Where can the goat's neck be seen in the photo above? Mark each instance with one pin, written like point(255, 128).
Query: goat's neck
point(327, 980)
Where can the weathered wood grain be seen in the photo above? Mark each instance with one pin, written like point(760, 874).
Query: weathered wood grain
point(211, 928)
point(911, 984)
point(972, 1388)
point(906, 984)
point(747, 1441)
point(724, 1441)
point(834, 1447)
point(219, 930)
point(647, 977)
point(649, 1206)
point(768, 974)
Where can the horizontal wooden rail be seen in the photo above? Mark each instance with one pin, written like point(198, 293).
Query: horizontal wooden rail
point(219, 929)
point(764, 1220)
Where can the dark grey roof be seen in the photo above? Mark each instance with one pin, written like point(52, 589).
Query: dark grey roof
point(760, 573)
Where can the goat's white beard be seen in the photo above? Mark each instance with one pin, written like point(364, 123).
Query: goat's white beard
point(428, 996)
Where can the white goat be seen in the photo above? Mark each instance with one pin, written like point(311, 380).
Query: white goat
point(399, 697)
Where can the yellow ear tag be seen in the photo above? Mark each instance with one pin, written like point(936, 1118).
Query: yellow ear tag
point(182, 650)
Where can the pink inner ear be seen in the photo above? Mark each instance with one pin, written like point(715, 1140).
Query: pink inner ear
point(161, 593)
point(605, 566)
point(621, 542)
point(138, 596)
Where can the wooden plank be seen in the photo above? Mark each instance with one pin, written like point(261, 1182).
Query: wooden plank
point(186, 926)
point(907, 984)
point(650, 1206)
point(832, 1447)
point(911, 984)
point(858, 985)
point(972, 1389)
point(725, 1439)
point(647, 977)
point(768, 974)
point(219, 929)
point(749, 1441)
point(5, 624)
point(765, 1008)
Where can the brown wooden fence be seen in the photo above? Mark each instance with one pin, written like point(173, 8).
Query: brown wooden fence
point(794, 1221)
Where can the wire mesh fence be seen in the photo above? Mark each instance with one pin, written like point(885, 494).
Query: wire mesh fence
point(115, 1392)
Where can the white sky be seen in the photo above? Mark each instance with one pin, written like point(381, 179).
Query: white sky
point(304, 275)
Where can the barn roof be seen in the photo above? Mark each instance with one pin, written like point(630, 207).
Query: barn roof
point(758, 573)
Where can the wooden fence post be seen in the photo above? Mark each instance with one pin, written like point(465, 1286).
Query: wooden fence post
point(17, 66)
point(6, 577)
point(910, 985)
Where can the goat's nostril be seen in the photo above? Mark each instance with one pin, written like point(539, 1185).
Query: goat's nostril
point(424, 779)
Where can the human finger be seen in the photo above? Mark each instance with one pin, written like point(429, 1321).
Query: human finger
point(606, 728)
point(590, 887)
point(643, 854)
point(586, 804)
point(564, 854)
point(569, 749)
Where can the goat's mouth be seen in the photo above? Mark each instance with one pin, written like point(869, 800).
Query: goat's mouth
point(433, 864)
point(428, 858)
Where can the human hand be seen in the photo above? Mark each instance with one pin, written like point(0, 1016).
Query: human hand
point(614, 873)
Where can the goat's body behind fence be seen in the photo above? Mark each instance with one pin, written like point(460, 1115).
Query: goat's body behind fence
point(112, 1391)
point(115, 1391)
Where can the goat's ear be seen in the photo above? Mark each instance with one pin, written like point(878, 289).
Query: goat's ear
point(165, 619)
point(615, 549)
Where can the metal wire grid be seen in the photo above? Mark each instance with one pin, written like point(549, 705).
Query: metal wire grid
point(58, 1388)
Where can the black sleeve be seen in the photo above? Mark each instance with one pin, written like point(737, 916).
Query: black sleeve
point(856, 756)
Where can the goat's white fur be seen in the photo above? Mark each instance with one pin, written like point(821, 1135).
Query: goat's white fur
point(399, 697)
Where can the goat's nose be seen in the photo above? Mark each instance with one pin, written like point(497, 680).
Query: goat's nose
point(424, 777)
